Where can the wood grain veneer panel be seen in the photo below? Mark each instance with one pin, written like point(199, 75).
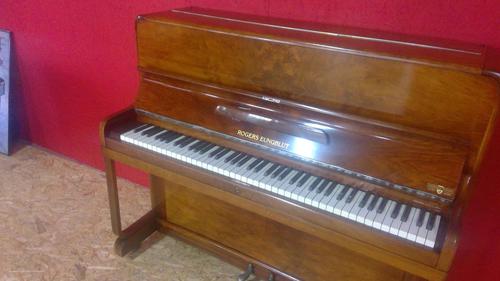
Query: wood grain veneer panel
point(289, 250)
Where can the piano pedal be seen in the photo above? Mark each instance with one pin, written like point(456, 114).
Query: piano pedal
point(245, 275)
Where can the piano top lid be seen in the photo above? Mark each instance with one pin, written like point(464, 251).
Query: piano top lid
point(437, 52)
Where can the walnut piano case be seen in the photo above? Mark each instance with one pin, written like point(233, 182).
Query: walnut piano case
point(302, 151)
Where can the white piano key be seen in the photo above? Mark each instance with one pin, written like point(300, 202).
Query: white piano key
point(249, 174)
point(312, 191)
point(320, 195)
point(261, 175)
point(412, 233)
point(302, 194)
point(338, 204)
point(240, 174)
point(396, 223)
point(379, 218)
point(326, 198)
point(346, 210)
point(286, 187)
point(354, 210)
point(386, 223)
point(363, 212)
point(226, 165)
point(422, 232)
point(130, 136)
point(297, 189)
point(265, 183)
point(370, 217)
point(126, 136)
point(405, 226)
point(276, 184)
point(430, 240)
point(220, 163)
point(330, 201)
point(205, 159)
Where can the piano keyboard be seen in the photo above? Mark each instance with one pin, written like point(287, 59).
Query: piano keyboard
point(407, 222)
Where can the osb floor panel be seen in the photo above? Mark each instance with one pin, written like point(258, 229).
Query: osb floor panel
point(55, 225)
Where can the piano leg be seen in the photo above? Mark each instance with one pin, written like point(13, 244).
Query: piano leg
point(130, 238)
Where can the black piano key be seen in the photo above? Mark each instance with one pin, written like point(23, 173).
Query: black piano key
point(140, 128)
point(351, 195)
point(162, 135)
point(171, 138)
point(194, 146)
point(151, 131)
point(244, 160)
point(421, 216)
point(187, 142)
point(364, 200)
point(431, 221)
point(342, 193)
point(222, 153)
point(207, 148)
point(165, 135)
point(215, 152)
point(330, 189)
point(373, 203)
point(285, 173)
point(231, 157)
point(315, 183)
point(382, 205)
point(322, 186)
point(395, 211)
point(201, 146)
point(181, 140)
point(406, 213)
point(271, 169)
point(303, 180)
point(296, 177)
point(237, 158)
point(278, 171)
point(261, 165)
point(254, 163)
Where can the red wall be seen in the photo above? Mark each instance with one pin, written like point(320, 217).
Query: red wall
point(76, 63)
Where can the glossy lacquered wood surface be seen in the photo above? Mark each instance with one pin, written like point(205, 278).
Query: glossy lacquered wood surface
point(411, 112)
point(408, 257)
point(397, 156)
point(448, 53)
point(378, 88)
point(289, 250)
point(435, 205)
point(407, 94)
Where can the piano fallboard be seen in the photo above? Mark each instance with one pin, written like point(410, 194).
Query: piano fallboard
point(404, 160)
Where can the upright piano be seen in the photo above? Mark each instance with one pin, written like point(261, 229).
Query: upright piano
point(302, 151)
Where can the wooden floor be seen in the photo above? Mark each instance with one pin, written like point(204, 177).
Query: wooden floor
point(55, 226)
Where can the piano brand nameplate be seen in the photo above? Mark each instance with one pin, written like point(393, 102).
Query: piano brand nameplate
point(263, 139)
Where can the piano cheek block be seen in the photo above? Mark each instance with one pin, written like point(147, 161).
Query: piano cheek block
point(357, 176)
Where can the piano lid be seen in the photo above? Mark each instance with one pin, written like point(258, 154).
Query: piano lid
point(405, 90)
